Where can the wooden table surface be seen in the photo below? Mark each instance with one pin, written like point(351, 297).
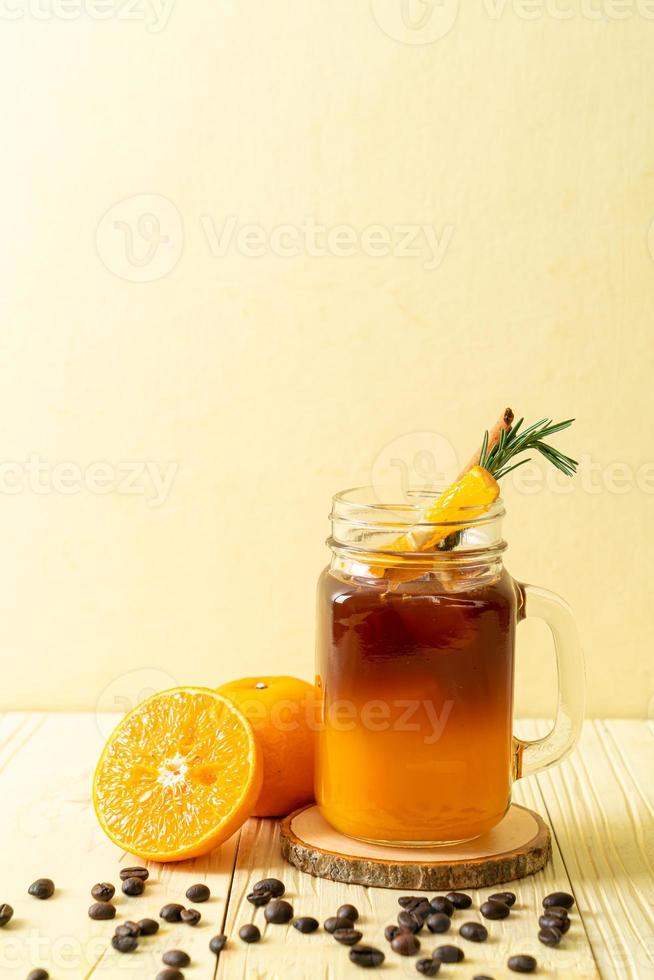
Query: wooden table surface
point(599, 804)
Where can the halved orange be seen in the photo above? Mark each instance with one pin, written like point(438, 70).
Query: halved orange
point(179, 774)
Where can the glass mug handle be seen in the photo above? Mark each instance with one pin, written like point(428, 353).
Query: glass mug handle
point(533, 756)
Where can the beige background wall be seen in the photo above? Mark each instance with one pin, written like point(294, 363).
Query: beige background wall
point(258, 383)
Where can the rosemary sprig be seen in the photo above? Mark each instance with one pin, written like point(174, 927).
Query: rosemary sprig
point(510, 443)
point(515, 441)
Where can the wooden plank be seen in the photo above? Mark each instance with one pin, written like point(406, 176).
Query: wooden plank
point(16, 729)
point(284, 953)
point(49, 830)
point(601, 801)
point(168, 883)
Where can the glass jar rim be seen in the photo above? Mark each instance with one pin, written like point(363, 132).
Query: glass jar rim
point(369, 505)
point(368, 530)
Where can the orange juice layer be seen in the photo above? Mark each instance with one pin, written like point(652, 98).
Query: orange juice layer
point(416, 688)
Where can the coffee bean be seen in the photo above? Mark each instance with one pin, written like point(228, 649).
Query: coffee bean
point(494, 910)
point(128, 929)
point(409, 921)
point(133, 886)
point(6, 913)
point(279, 911)
point(42, 888)
point(38, 975)
point(148, 927)
point(406, 944)
point(190, 916)
point(419, 907)
point(438, 922)
point(556, 910)
point(170, 974)
point(198, 893)
point(249, 933)
point(102, 910)
point(350, 912)
point(347, 937)
point(103, 891)
point(474, 931)
point(137, 872)
point(522, 963)
point(172, 912)
point(459, 900)
point(272, 885)
point(549, 921)
point(390, 932)
point(306, 924)
point(442, 904)
point(558, 898)
point(410, 901)
point(507, 897)
point(448, 954)
point(428, 967)
point(550, 936)
point(218, 943)
point(124, 944)
point(366, 956)
point(259, 898)
point(336, 922)
point(176, 957)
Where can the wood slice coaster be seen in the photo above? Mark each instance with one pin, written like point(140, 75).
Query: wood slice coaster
point(520, 845)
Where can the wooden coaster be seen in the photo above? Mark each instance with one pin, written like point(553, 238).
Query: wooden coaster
point(520, 845)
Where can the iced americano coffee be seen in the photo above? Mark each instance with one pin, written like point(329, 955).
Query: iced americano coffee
point(416, 628)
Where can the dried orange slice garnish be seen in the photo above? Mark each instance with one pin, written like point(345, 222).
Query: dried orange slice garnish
point(464, 501)
point(178, 776)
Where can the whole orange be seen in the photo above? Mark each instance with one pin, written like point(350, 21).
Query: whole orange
point(282, 713)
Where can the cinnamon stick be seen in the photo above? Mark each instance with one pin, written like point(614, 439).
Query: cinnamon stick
point(502, 424)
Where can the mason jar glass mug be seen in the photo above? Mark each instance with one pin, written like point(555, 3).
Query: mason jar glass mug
point(415, 673)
